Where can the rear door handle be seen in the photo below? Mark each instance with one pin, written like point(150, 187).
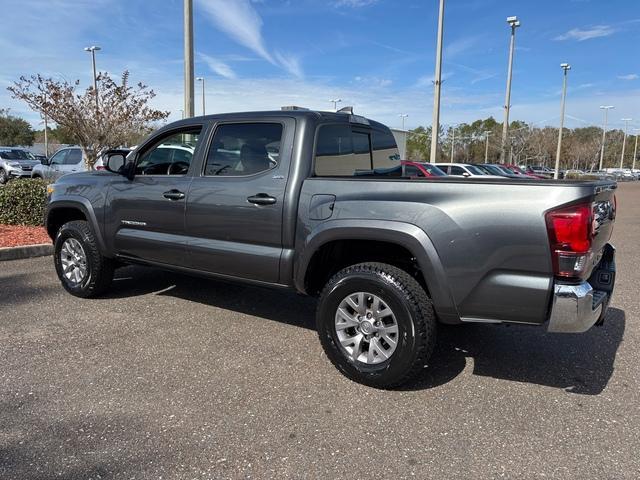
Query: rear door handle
point(262, 199)
point(173, 194)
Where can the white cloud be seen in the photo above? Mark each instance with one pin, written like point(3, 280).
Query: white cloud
point(354, 3)
point(459, 46)
point(240, 21)
point(585, 34)
point(631, 76)
point(290, 63)
point(217, 66)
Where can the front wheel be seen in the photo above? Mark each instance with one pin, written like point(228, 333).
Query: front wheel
point(376, 324)
point(4, 178)
point(81, 268)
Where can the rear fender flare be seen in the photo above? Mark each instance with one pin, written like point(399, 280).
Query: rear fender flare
point(409, 236)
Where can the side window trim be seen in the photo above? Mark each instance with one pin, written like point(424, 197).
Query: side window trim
point(156, 141)
point(214, 128)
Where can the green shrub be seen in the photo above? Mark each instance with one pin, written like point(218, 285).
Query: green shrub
point(22, 202)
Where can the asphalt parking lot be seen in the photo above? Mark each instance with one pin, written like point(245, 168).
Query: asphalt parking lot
point(175, 377)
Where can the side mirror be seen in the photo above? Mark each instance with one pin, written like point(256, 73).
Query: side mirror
point(114, 162)
point(466, 174)
point(44, 161)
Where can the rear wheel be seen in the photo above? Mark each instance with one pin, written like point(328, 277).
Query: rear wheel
point(376, 324)
point(82, 270)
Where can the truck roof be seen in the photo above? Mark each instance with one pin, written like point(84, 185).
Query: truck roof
point(313, 115)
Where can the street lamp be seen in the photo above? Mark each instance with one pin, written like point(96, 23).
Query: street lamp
point(437, 83)
point(189, 107)
point(486, 145)
point(93, 49)
point(453, 142)
point(403, 116)
point(624, 140)
point(606, 109)
point(335, 103)
point(635, 150)
point(201, 79)
point(513, 23)
point(565, 67)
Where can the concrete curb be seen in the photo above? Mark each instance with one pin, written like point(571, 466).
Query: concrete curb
point(27, 251)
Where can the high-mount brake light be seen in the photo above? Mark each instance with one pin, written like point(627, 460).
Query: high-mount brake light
point(570, 234)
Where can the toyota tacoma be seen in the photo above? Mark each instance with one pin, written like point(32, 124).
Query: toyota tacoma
point(279, 199)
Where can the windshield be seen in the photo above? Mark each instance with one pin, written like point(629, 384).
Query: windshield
point(15, 154)
point(475, 170)
point(497, 170)
point(433, 170)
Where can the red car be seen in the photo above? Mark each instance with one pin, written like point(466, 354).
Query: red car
point(518, 171)
point(421, 169)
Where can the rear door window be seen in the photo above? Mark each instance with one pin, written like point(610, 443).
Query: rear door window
point(73, 157)
point(242, 149)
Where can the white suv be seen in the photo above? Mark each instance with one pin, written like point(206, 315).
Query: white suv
point(66, 160)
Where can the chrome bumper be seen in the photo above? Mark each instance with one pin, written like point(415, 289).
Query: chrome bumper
point(573, 309)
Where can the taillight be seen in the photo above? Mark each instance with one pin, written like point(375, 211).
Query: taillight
point(100, 167)
point(570, 233)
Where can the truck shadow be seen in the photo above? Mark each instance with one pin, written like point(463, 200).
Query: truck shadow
point(577, 363)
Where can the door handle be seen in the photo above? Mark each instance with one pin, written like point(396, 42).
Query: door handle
point(262, 199)
point(173, 194)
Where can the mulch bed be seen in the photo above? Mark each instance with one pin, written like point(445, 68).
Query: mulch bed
point(17, 235)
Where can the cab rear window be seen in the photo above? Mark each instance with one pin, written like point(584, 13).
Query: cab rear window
point(343, 150)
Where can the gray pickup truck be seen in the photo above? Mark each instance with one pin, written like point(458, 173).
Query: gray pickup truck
point(283, 199)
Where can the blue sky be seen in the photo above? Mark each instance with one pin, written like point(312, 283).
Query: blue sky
point(377, 55)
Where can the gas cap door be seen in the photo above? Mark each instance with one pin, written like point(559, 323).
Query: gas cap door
point(321, 206)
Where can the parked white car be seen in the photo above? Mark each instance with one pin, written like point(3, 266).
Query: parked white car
point(66, 160)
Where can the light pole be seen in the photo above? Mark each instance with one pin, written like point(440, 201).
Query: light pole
point(93, 49)
point(486, 146)
point(453, 143)
point(188, 59)
point(565, 67)
point(606, 109)
point(201, 79)
point(403, 116)
point(513, 23)
point(437, 83)
point(624, 139)
point(635, 150)
point(335, 103)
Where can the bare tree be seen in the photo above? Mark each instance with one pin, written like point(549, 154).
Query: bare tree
point(123, 109)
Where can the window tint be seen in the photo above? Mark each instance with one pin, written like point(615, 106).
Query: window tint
point(411, 171)
point(475, 170)
point(342, 152)
point(455, 170)
point(58, 158)
point(385, 149)
point(73, 157)
point(171, 155)
point(242, 149)
point(433, 170)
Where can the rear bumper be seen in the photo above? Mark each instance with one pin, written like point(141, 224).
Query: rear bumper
point(576, 308)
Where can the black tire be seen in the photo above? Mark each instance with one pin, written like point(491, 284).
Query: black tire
point(99, 268)
point(4, 178)
point(412, 308)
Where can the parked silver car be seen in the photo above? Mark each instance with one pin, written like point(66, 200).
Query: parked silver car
point(15, 163)
point(66, 160)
